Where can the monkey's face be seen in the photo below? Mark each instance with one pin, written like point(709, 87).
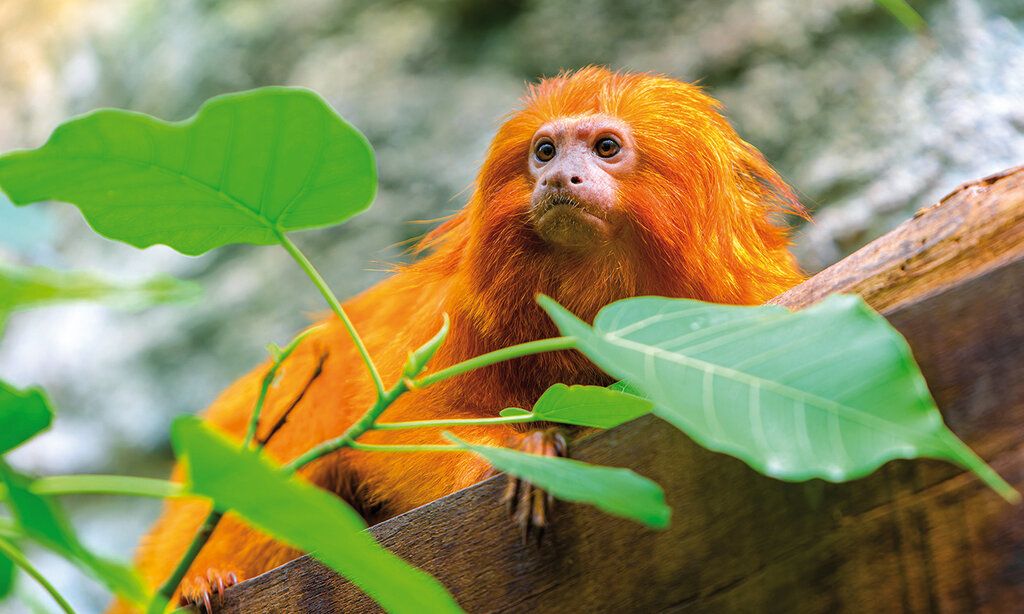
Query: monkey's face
point(576, 164)
point(605, 185)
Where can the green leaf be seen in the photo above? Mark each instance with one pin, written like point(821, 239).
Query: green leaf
point(24, 287)
point(304, 516)
point(41, 519)
point(902, 11)
point(23, 415)
point(246, 168)
point(594, 406)
point(829, 392)
point(618, 491)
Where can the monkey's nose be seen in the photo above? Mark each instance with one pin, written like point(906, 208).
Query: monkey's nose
point(558, 181)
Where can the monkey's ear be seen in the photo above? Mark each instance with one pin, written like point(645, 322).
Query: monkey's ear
point(450, 228)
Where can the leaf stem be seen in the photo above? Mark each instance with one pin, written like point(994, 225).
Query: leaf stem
point(416, 424)
point(11, 551)
point(335, 305)
point(278, 359)
point(369, 419)
point(106, 485)
point(353, 432)
point(371, 447)
point(166, 591)
point(514, 351)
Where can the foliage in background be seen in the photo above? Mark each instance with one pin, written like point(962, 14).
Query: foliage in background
point(29, 287)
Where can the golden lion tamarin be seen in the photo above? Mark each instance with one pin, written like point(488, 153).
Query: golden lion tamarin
point(603, 186)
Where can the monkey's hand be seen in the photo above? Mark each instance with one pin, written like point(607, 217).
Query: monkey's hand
point(530, 507)
point(205, 592)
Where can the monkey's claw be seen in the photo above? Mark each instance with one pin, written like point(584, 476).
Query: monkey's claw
point(530, 507)
point(204, 592)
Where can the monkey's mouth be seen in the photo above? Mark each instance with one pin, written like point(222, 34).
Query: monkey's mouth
point(565, 221)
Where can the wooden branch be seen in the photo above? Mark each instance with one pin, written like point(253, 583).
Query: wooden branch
point(915, 536)
point(978, 226)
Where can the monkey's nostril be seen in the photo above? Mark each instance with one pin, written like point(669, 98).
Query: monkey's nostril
point(576, 179)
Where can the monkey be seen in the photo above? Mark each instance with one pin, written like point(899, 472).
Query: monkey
point(602, 185)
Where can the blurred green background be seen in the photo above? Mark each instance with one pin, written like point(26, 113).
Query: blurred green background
point(865, 119)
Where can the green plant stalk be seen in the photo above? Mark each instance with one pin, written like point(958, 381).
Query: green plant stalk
point(370, 447)
point(254, 418)
point(514, 351)
point(335, 305)
point(10, 551)
point(904, 13)
point(278, 359)
point(163, 594)
point(369, 420)
point(106, 485)
point(417, 424)
point(353, 432)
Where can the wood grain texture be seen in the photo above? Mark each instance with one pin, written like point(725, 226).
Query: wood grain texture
point(977, 226)
point(916, 536)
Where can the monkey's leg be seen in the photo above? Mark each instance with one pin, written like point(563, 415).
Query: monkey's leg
point(530, 507)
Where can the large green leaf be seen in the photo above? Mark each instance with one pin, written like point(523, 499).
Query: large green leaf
point(304, 516)
point(23, 414)
point(244, 169)
point(615, 490)
point(41, 519)
point(594, 406)
point(24, 287)
point(829, 392)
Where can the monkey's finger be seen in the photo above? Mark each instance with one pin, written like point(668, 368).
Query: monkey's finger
point(215, 579)
point(511, 496)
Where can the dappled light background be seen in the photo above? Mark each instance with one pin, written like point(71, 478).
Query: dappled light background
point(866, 120)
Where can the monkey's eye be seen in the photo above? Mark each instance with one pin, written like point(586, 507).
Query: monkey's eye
point(607, 147)
point(544, 151)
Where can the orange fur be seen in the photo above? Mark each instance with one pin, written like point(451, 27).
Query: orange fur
point(701, 206)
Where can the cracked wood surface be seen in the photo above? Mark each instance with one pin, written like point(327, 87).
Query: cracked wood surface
point(915, 536)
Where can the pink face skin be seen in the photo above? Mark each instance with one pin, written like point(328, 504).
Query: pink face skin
point(576, 163)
